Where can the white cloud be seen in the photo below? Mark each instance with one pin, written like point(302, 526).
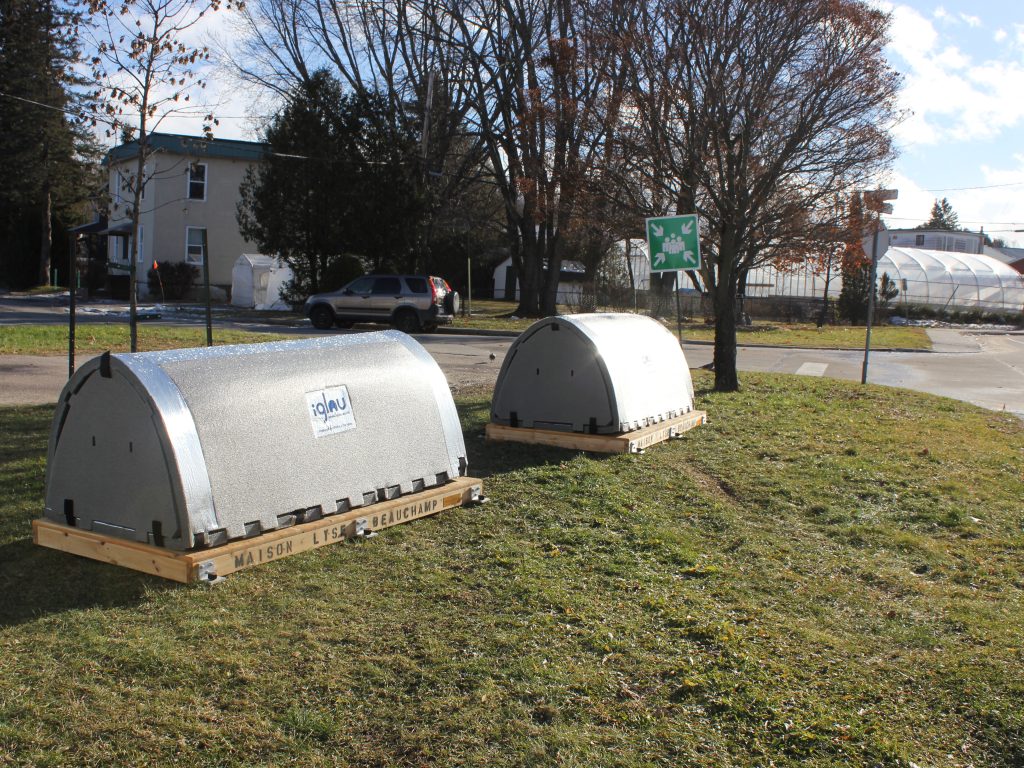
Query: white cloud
point(999, 35)
point(948, 18)
point(952, 97)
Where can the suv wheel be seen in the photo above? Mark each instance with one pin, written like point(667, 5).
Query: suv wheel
point(321, 317)
point(406, 321)
point(343, 323)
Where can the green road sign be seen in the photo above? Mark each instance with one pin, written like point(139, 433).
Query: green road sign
point(674, 242)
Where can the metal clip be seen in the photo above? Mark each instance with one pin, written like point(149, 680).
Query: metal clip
point(208, 573)
point(361, 530)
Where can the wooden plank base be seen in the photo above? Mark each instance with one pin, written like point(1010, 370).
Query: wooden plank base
point(625, 442)
point(214, 563)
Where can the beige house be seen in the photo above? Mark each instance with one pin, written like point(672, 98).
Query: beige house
point(190, 188)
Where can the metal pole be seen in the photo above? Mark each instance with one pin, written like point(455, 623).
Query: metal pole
point(73, 272)
point(871, 299)
point(469, 284)
point(206, 287)
point(679, 312)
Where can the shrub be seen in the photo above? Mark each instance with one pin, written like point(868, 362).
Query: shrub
point(177, 278)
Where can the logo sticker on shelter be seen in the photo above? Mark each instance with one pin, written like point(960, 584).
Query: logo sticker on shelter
point(330, 411)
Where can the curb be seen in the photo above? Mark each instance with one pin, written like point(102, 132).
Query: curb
point(448, 331)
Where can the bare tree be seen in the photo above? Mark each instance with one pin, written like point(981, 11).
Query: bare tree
point(754, 114)
point(545, 93)
point(145, 66)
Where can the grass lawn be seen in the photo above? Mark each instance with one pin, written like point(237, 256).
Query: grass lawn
point(826, 574)
point(100, 337)
point(809, 335)
point(494, 315)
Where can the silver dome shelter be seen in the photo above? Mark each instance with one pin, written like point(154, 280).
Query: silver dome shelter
point(593, 373)
point(194, 448)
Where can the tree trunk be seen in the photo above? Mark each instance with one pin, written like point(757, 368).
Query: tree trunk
point(133, 250)
point(549, 296)
point(529, 277)
point(724, 303)
point(46, 235)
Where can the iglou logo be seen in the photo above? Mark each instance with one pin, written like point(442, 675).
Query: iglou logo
point(330, 411)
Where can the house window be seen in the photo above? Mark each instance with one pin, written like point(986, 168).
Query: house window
point(122, 188)
point(919, 240)
point(194, 248)
point(142, 239)
point(197, 181)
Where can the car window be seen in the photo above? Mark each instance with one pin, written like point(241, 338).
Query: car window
point(417, 285)
point(387, 286)
point(362, 286)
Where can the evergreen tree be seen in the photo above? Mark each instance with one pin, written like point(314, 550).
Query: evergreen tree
point(887, 290)
point(942, 217)
point(46, 154)
point(337, 181)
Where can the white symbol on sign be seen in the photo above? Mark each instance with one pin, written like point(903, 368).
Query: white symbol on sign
point(658, 231)
point(686, 227)
point(659, 258)
point(674, 244)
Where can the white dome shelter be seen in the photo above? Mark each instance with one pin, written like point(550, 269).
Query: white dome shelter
point(948, 280)
point(592, 373)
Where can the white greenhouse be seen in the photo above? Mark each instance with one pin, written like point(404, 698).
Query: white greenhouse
point(938, 279)
point(947, 280)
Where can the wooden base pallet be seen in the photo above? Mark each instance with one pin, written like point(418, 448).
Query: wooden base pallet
point(212, 564)
point(626, 442)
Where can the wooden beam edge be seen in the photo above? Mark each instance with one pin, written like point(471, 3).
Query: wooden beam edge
point(624, 442)
point(185, 567)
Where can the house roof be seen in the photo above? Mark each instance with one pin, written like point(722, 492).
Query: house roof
point(193, 146)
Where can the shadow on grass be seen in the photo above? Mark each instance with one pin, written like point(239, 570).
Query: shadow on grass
point(37, 582)
point(487, 457)
point(491, 458)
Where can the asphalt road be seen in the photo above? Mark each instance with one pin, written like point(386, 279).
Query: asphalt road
point(982, 367)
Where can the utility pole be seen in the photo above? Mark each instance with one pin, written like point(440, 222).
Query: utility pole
point(428, 104)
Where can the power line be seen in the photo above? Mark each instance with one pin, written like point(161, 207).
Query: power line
point(987, 186)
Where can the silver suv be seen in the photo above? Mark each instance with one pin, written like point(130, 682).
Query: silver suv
point(410, 303)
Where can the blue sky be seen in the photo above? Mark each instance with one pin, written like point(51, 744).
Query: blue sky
point(963, 68)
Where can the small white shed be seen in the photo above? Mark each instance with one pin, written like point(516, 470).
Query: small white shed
point(256, 281)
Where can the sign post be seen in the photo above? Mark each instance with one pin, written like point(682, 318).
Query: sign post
point(874, 200)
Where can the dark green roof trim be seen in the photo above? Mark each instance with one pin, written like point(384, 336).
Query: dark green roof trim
point(192, 146)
